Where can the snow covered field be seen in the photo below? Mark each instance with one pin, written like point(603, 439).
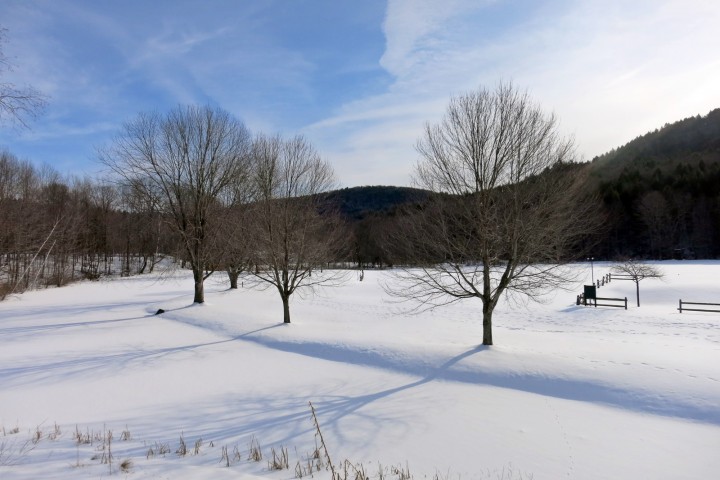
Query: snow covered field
point(567, 392)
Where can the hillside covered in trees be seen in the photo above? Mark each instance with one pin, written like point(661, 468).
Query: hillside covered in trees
point(660, 192)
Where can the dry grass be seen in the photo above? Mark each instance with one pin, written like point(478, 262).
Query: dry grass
point(255, 451)
point(279, 461)
point(182, 447)
point(12, 451)
point(126, 465)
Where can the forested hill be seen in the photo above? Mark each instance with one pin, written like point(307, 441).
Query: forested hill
point(357, 203)
point(687, 141)
point(661, 192)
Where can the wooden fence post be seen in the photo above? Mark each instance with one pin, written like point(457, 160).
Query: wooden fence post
point(680, 306)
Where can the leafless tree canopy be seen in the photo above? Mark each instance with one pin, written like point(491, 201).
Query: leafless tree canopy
point(632, 270)
point(192, 163)
point(291, 239)
point(18, 104)
point(506, 207)
point(487, 139)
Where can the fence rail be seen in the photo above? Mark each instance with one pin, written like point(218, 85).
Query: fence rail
point(623, 300)
point(621, 276)
point(681, 308)
point(581, 300)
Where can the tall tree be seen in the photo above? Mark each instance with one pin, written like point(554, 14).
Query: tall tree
point(291, 239)
point(506, 208)
point(18, 104)
point(190, 162)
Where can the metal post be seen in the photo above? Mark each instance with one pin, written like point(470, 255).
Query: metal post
point(592, 272)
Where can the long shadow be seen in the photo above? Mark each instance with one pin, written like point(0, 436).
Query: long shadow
point(66, 310)
point(569, 389)
point(100, 364)
point(536, 383)
point(292, 415)
point(59, 326)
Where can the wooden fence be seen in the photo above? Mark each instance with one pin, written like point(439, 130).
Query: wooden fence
point(620, 302)
point(681, 308)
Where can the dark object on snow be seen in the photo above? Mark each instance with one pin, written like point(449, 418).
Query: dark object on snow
point(589, 292)
point(160, 310)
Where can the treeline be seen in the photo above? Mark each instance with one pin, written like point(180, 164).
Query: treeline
point(55, 230)
point(658, 198)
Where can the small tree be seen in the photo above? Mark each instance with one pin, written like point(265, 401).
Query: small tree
point(291, 238)
point(631, 270)
point(507, 207)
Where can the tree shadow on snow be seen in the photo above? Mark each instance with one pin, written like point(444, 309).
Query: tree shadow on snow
point(583, 390)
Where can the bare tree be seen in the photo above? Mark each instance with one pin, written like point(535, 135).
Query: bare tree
point(292, 240)
point(506, 208)
point(17, 103)
point(632, 270)
point(189, 162)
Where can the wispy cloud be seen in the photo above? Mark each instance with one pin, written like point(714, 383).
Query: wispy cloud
point(611, 70)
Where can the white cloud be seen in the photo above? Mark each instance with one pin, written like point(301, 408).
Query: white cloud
point(416, 29)
point(611, 70)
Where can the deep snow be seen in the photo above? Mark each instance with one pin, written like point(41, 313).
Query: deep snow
point(567, 392)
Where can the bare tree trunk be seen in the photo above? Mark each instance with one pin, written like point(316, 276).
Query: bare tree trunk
point(233, 274)
point(286, 308)
point(487, 324)
point(199, 289)
point(637, 292)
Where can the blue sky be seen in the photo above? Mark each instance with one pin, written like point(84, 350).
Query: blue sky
point(358, 78)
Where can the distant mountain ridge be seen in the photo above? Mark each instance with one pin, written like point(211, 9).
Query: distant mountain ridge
point(356, 203)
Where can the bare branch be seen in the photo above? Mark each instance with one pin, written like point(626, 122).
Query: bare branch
point(18, 104)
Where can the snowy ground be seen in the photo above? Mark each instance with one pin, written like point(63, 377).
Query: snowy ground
point(567, 392)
